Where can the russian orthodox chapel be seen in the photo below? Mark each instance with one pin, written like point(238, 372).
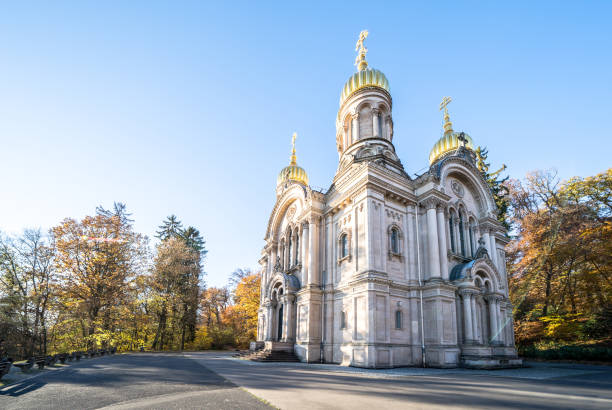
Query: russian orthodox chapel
point(385, 270)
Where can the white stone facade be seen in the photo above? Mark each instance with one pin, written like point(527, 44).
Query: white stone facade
point(383, 270)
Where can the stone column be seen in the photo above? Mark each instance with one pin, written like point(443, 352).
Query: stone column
point(346, 138)
point(264, 279)
point(289, 319)
point(286, 316)
point(493, 319)
point(493, 253)
point(288, 253)
point(500, 322)
point(457, 237)
point(442, 243)
point(388, 128)
point(298, 244)
point(369, 232)
point(472, 241)
point(466, 235)
point(467, 317)
point(355, 127)
point(432, 240)
point(304, 253)
point(329, 244)
point(269, 320)
point(375, 123)
point(511, 341)
point(313, 251)
point(475, 319)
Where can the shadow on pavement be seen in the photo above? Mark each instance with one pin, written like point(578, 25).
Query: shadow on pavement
point(23, 387)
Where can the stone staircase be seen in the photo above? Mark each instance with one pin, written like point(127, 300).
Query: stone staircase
point(268, 355)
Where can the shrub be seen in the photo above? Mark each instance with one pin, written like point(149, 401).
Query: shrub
point(529, 332)
point(567, 352)
point(599, 326)
point(562, 327)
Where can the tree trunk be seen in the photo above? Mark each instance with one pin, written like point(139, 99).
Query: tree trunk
point(161, 328)
point(548, 280)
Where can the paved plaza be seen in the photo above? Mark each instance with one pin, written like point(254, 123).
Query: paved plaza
point(216, 380)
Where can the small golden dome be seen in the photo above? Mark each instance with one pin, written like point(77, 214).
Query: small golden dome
point(449, 142)
point(369, 77)
point(292, 173)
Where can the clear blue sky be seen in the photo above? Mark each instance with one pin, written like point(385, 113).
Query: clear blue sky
point(188, 107)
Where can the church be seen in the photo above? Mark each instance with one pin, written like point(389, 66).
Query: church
point(384, 270)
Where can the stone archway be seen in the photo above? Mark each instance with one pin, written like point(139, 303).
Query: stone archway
point(280, 313)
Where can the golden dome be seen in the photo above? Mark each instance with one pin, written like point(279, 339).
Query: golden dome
point(292, 172)
point(368, 77)
point(449, 142)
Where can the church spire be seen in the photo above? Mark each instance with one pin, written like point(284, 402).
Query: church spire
point(448, 125)
point(293, 156)
point(360, 60)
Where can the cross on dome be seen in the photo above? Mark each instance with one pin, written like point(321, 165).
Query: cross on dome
point(293, 156)
point(360, 60)
point(448, 126)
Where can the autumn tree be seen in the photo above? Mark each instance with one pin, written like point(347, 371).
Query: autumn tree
point(189, 291)
point(175, 281)
point(97, 258)
point(560, 261)
point(238, 275)
point(26, 276)
point(246, 305)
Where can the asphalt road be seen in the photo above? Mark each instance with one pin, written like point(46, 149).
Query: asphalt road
point(303, 386)
point(138, 381)
point(210, 380)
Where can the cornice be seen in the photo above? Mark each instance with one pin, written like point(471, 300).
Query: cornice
point(433, 197)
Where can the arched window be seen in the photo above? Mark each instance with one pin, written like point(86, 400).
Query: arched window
point(344, 246)
point(451, 227)
point(461, 235)
point(394, 240)
point(398, 319)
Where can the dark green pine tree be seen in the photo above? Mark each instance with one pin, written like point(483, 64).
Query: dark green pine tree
point(194, 240)
point(499, 190)
point(170, 228)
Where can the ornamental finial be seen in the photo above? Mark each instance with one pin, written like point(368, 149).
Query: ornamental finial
point(293, 156)
point(360, 61)
point(448, 126)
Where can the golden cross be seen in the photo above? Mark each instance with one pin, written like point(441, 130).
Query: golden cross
point(362, 36)
point(360, 60)
point(293, 157)
point(444, 103)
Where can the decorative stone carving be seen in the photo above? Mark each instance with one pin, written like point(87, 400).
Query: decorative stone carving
point(457, 188)
point(278, 265)
point(291, 212)
point(431, 202)
point(481, 252)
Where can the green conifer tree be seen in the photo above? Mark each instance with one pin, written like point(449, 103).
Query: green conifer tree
point(499, 190)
